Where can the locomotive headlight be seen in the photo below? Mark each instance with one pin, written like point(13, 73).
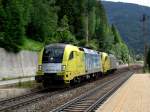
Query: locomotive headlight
point(63, 67)
point(39, 67)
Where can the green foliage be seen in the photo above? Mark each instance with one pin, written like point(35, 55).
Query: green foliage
point(117, 37)
point(12, 30)
point(81, 14)
point(43, 20)
point(32, 45)
point(93, 44)
point(124, 53)
point(63, 35)
point(33, 24)
point(127, 19)
point(92, 22)
point(28, 84)
point(120, 49)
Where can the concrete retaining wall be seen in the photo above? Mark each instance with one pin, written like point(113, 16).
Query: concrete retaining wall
point(17, 65)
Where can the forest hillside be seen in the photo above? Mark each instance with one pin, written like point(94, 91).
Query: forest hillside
point(33, 24)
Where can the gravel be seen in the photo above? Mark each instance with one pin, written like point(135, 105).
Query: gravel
point(17, 90)
point(12, 92)
point(56, 100)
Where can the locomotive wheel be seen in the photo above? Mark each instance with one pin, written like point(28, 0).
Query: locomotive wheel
point(45, 84)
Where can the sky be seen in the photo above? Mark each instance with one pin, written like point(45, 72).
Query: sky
point(140, 2)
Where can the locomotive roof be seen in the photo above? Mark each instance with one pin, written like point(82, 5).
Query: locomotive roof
point(56, 45)
point(89, 51)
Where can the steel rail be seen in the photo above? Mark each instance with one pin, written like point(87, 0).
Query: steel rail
point(105, 96)
point(12, 104)
point(20, 97)
point(88, 104)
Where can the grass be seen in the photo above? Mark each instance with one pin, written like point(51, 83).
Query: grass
point(12, 78)
point(28, 84)
point(31, 45)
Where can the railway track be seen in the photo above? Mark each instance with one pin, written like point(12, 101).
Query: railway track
point(23, 100)
point(92, 99)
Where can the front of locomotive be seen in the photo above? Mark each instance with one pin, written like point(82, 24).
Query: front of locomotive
point(51, 67)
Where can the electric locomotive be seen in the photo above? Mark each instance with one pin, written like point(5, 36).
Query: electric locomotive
point(65, 64)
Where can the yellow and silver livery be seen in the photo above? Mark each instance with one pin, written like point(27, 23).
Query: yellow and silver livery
point(67, 64)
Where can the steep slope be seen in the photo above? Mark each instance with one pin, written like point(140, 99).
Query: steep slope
point(127, 19)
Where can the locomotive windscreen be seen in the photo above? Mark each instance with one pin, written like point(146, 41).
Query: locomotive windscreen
point(53, 54)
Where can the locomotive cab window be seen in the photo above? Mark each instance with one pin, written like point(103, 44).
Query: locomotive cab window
point(71, 56)
point(53, 55)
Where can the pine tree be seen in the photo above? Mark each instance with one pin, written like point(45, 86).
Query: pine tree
point(2, 25)
point(63, 35)
point(43, 20)
point(117, 37)
point(13, 27)
point(80, 22)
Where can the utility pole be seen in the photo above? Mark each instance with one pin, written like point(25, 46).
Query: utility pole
point(144, 29)
point(87, 30)
point(87, 24)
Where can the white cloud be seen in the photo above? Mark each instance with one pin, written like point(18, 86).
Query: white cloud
point(140, 2)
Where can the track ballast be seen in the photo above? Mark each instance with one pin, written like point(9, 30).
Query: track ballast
point(90, 100)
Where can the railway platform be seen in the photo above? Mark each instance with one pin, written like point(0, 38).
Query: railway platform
point(132, 96)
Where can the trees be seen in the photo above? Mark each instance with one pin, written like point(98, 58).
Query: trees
point(80, 22)
point(120, 48)
point(63, 35)
point(76, 12)
point(43, 20)
point(12, 29)
point(117, 37)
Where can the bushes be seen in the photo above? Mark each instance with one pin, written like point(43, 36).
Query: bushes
point(19, 19)
point(12, 30)
point(43, 20)
point(54, 21)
